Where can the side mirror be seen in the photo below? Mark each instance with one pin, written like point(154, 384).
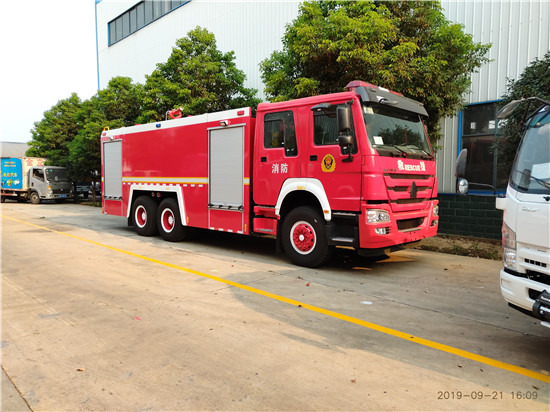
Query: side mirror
point(346, 142)
point(508, 109)
point(343, 117)
point(460, 172)
point(460, 166)
point(462, 186)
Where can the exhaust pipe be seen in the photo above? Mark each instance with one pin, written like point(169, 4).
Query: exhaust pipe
point(541, 307)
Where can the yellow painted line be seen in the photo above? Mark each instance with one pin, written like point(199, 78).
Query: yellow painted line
point(165, 180)
point(388, 331)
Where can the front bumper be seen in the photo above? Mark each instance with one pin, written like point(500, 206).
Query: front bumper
point(520, 291)
point(402, 228)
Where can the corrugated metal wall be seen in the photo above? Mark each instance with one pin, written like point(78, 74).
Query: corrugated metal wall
point(519, 32)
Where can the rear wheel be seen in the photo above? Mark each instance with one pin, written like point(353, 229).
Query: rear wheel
point(304, 237)
point(144, 216)
point(169, 221)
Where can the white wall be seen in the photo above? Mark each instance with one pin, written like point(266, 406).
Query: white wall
point(252, 29)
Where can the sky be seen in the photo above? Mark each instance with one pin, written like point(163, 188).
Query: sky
point(48, 51)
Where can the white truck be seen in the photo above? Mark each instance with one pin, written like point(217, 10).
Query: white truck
point(525, 277)
point(27, 178)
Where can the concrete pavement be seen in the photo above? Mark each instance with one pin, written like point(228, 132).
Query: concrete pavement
point(97, 318)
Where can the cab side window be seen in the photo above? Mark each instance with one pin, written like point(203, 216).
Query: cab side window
point(280, 131)
point(325, 127)
point(38, 174)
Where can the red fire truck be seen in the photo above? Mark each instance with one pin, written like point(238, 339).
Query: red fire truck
point(352, 169)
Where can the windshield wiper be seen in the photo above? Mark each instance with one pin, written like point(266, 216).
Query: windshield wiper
point(405, 154)
point(541, 182)
point(416, 148)
point(430, 156)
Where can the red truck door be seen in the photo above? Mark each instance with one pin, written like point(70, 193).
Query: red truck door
point(226, 179)
point(277, 156)
point(339, 173)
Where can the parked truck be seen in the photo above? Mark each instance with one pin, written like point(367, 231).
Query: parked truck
point(352, 169)
point(27, 178)
point(525, 276)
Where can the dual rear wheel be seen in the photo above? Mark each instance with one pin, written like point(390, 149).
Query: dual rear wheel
point(150, 218)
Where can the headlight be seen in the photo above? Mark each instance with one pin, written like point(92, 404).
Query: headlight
point(508, 247)
point(377, 216)
point(50, 190)
point(436, 210)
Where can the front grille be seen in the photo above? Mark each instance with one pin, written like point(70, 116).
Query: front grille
point(538, 277)
point(408, 224)
point(407, 188)
point(535, 263)
point(408, 177)
point(409, 201)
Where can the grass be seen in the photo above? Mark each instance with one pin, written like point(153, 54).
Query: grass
point(463, 246)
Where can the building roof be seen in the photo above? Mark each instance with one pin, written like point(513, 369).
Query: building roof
point(13, 149)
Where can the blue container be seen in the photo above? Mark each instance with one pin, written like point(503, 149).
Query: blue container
point(12, 173)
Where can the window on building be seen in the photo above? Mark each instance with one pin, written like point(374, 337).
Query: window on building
point(139, 16)
point(133, 20)
point(279, 131)
point(479, 130)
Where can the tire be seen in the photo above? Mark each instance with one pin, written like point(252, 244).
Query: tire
point(304, 237)
point(144, 216)
point(34, 198)
point(169, 221)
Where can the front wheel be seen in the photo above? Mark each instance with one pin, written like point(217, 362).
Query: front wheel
point(35, 198)
point(169, 221)
point(144, 216)
point(304, 237)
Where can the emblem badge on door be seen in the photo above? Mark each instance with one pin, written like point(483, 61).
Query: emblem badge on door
point(328, 164)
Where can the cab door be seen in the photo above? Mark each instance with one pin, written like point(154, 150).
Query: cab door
point(277, 154)
point(37, 180)
point(336, 167)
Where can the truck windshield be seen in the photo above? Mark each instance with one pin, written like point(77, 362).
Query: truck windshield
point(531, 168)
point(56, 175)
point(396, 133)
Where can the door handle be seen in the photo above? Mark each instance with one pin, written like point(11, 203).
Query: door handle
point(313, 158)
point(263, 159)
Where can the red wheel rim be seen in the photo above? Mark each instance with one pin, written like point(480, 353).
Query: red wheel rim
point(168, 220)
point(302, 237)
point(141, 216)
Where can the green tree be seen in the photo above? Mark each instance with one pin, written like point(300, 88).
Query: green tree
point(197, 77)
point(52, 134)
point(534, 81)
point(116, 106)
point(407, 46)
